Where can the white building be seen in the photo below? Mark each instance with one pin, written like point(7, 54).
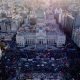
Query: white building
point(50, 17)
point(58, 12)
point(20, 40)
point(40, 37)
point(61, 40)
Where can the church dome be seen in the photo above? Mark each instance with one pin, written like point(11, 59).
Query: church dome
point(39, 13)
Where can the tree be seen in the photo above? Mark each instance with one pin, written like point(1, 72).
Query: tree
point(2, 45)
point(32, 21)
point(3, 15)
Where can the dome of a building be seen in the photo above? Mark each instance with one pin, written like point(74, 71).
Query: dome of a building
point(39, 13)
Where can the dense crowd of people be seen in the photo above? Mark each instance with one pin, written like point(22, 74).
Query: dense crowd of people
point(19, 66)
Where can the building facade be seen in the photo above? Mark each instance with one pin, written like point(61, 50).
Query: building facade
point(40, 37)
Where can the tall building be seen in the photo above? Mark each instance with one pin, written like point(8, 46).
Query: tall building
point(5, 25)
point(14, 25)
point(76, 31)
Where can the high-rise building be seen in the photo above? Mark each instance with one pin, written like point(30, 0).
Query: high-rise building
point(76, 31)
point(5, 25)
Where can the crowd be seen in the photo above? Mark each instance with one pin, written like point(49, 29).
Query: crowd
point(17, 66)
